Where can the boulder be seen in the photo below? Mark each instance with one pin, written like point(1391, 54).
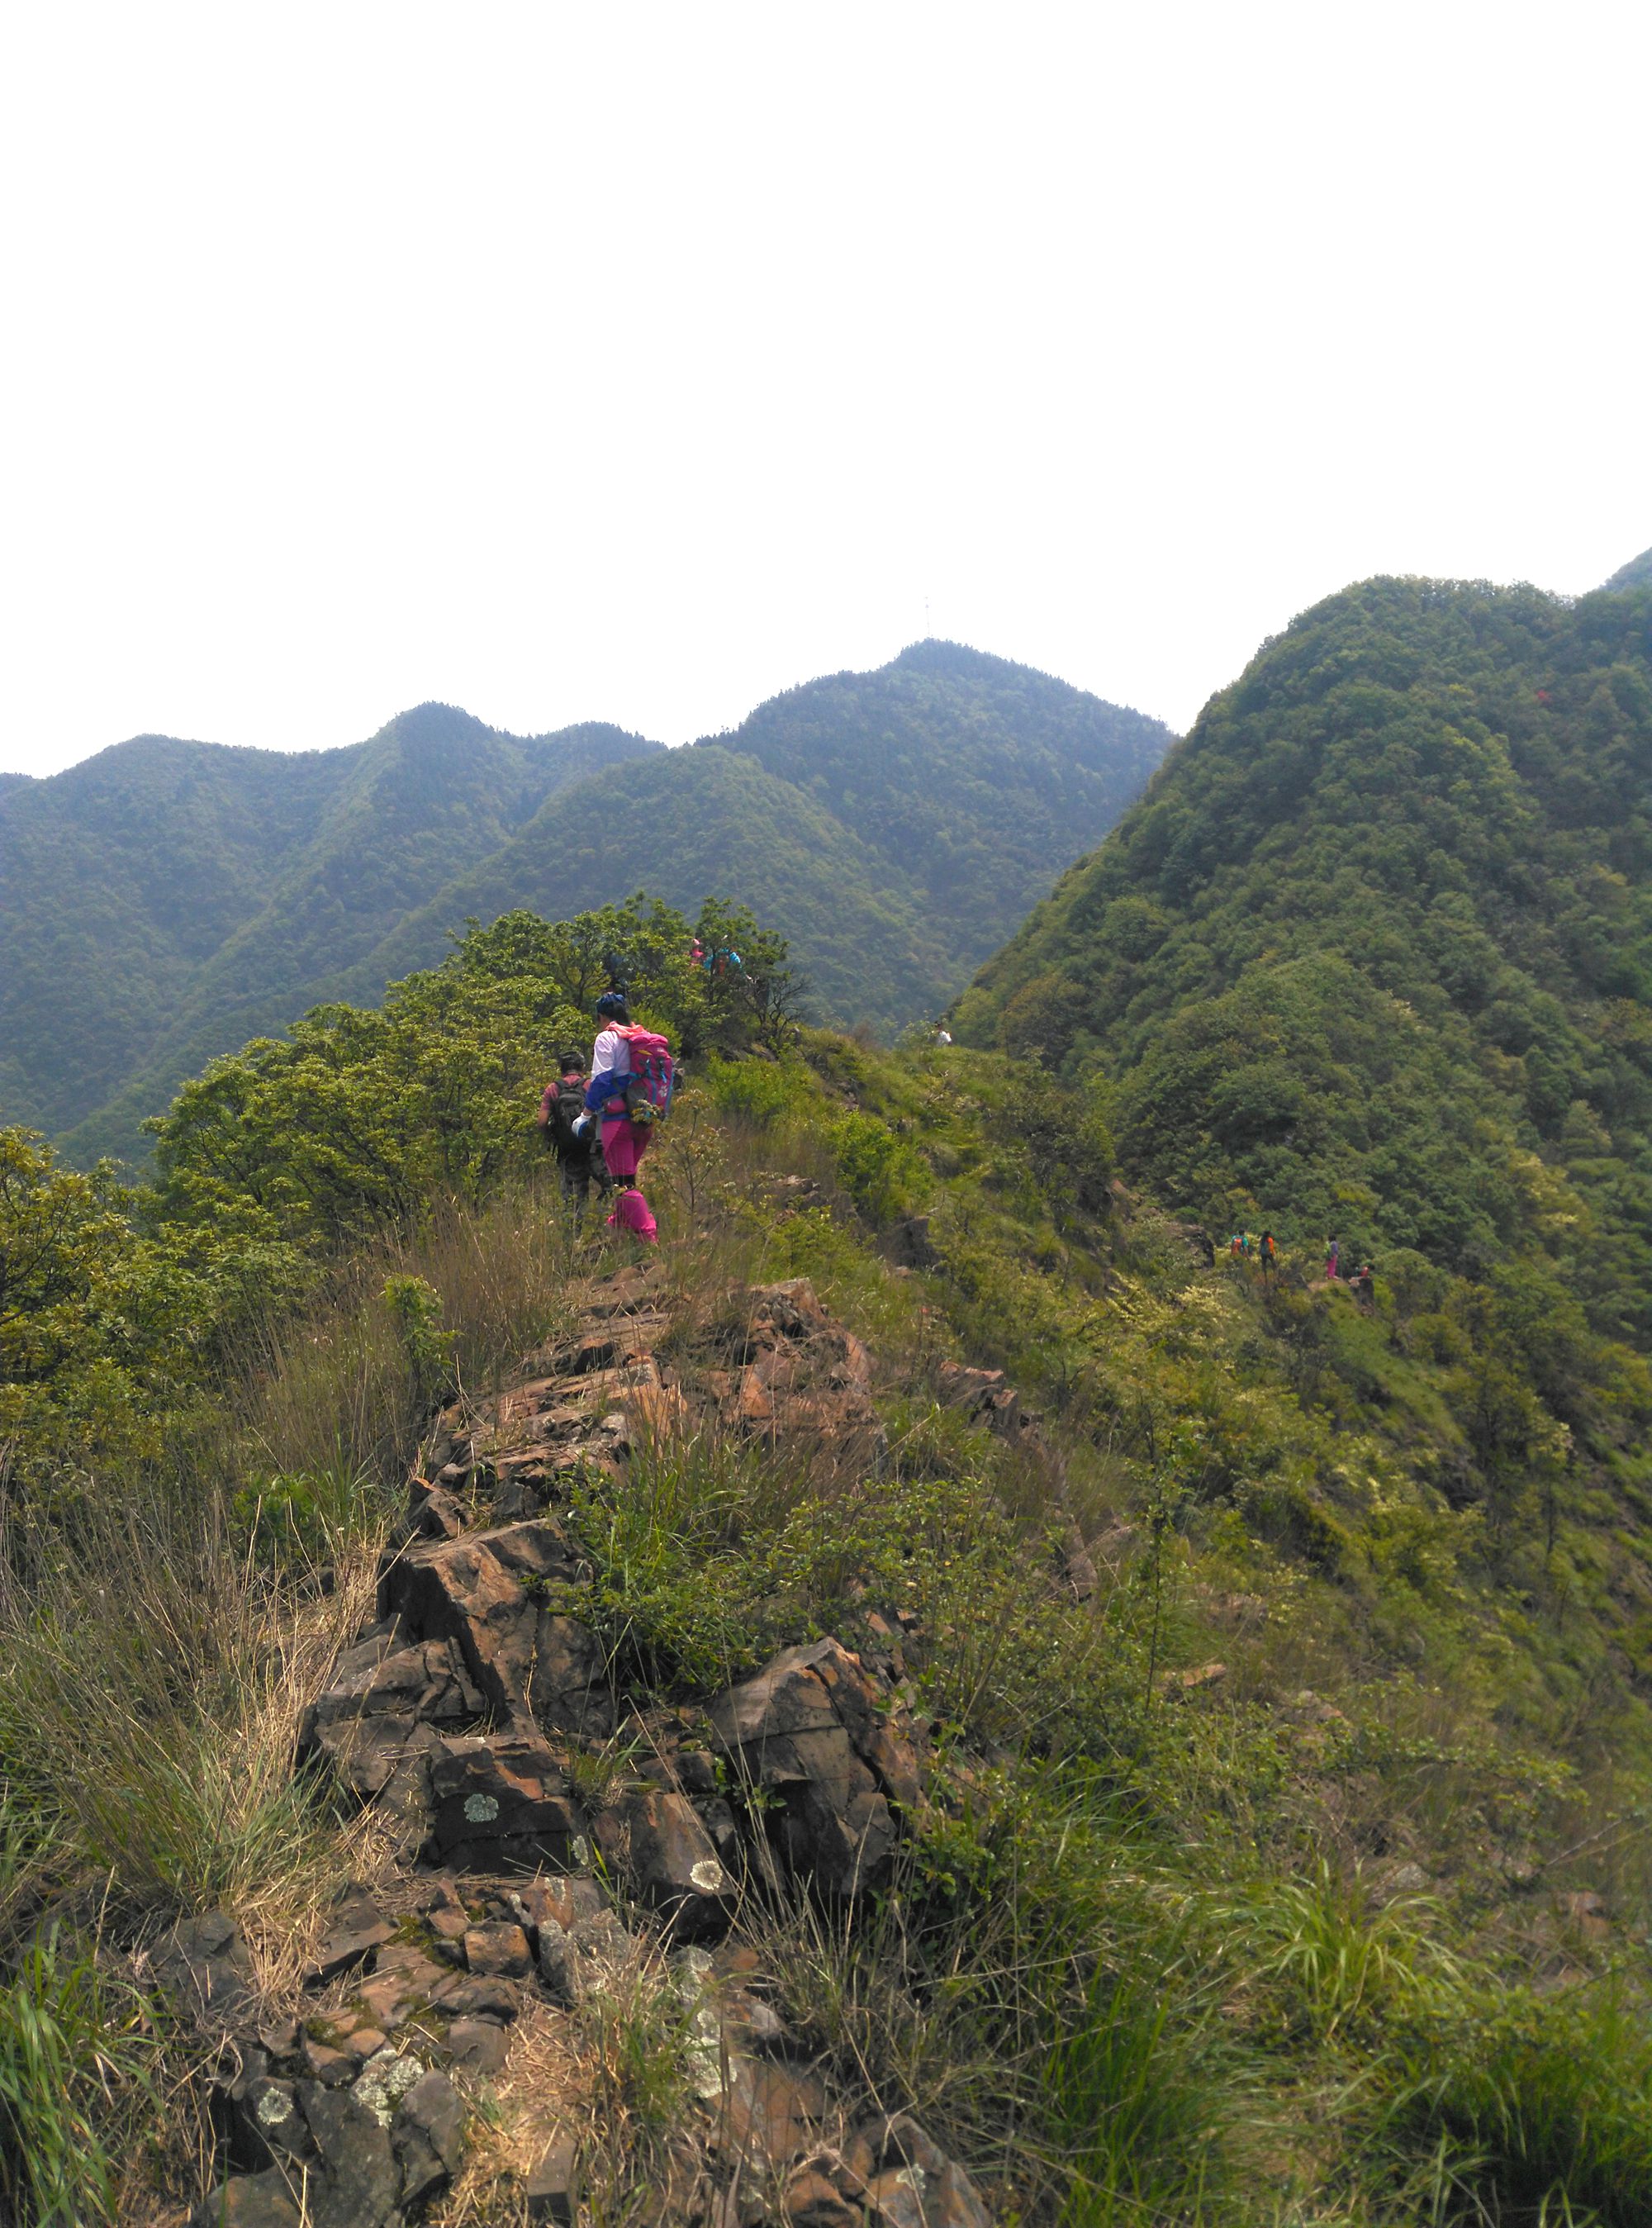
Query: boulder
point(355, 1929)
point(502, 1803)
point(770, 2115)
point(655, 1837)
point(479, 2045)
point(500, 1949)
point(427, 2137)
point(358, 2183)
point(251, 2201)
point(568, 1687)
point(205, 1966)
point(808, 1731)
point(477, 1592)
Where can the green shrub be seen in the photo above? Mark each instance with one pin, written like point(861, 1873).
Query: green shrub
point(882, 1174)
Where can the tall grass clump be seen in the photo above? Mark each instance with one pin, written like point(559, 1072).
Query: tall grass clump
point(453, 1303)
point(1144, 2107)
point(1539, 2109)
point(155, 1672)
point(70, 2056)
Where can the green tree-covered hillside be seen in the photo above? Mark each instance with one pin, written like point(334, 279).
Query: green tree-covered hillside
point(166, 900)
point(900, 822)
point(1374, 956)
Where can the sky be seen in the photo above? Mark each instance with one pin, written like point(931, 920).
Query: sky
point(636, 362)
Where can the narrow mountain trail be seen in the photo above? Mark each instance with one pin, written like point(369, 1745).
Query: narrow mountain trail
point(550, 2004)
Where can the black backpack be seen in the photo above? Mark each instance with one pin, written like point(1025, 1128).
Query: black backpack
point(565, 1103)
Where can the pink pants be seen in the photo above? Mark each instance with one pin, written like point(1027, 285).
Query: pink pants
point(622, 1146)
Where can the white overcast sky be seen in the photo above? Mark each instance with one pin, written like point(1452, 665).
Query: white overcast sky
point(634, 362)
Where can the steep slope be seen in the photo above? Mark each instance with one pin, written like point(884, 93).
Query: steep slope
point(900, 824)
point(166, 899)
point(1375, 953)
point(692, 823)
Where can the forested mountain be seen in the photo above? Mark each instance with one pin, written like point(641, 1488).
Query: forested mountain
point(166, 900)
point(900, 822)
point(1374, 954)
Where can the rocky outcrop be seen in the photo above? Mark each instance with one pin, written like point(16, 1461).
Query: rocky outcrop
point(474, 1712)
point(811, 1732)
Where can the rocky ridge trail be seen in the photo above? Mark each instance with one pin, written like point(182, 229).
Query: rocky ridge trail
point(528, 1786)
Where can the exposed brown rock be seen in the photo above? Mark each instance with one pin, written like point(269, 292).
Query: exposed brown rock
point(808, 1729)
point(655, 1839)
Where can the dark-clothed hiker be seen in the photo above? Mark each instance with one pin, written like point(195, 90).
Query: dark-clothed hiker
point(579, 1155)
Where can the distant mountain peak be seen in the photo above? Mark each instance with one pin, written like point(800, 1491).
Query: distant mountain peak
point(1637, 573)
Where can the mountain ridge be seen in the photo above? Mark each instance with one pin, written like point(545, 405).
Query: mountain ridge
point(167, 899)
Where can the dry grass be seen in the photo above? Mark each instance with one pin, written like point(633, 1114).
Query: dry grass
point(332, 1391)
point(153, 1687)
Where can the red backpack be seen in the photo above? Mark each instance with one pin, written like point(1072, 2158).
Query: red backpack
point(648, 1091)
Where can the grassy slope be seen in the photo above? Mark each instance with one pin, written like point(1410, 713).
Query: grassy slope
point(1157, 1946)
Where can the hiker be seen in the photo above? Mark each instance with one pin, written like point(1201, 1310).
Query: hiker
point(1333, 1255)
point(629, 1089)
point(579, 1157)
point(697, 953)
point(1270, 1254)
point(1361, 1286)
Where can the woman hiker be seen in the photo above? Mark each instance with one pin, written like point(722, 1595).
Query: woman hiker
point(623, 1142)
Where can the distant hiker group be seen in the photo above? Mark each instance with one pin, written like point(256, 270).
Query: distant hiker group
point(1241, 1246)
point(600, 1122)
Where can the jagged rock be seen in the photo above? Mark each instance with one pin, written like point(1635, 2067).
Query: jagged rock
point(250, 2201)
point(427, 2137)
point(484, 1995)
point(811, 2200)
point(407, 1979)
point(770, 2115)
point(380, 1717)
point(205, 1966)
point(499, 1949)
point(385, 2080)
point(475, 1591)
point(502, 1803)
point(986, 1395)
point(808, 1729)
point(358, 2185)
point(803, 1378)
point(558, 1902)
point(655, 1838)
point(324, 2063)
point(917, 2186)
point(568, 1687)
point(356, 1930)
point(551, 2190)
